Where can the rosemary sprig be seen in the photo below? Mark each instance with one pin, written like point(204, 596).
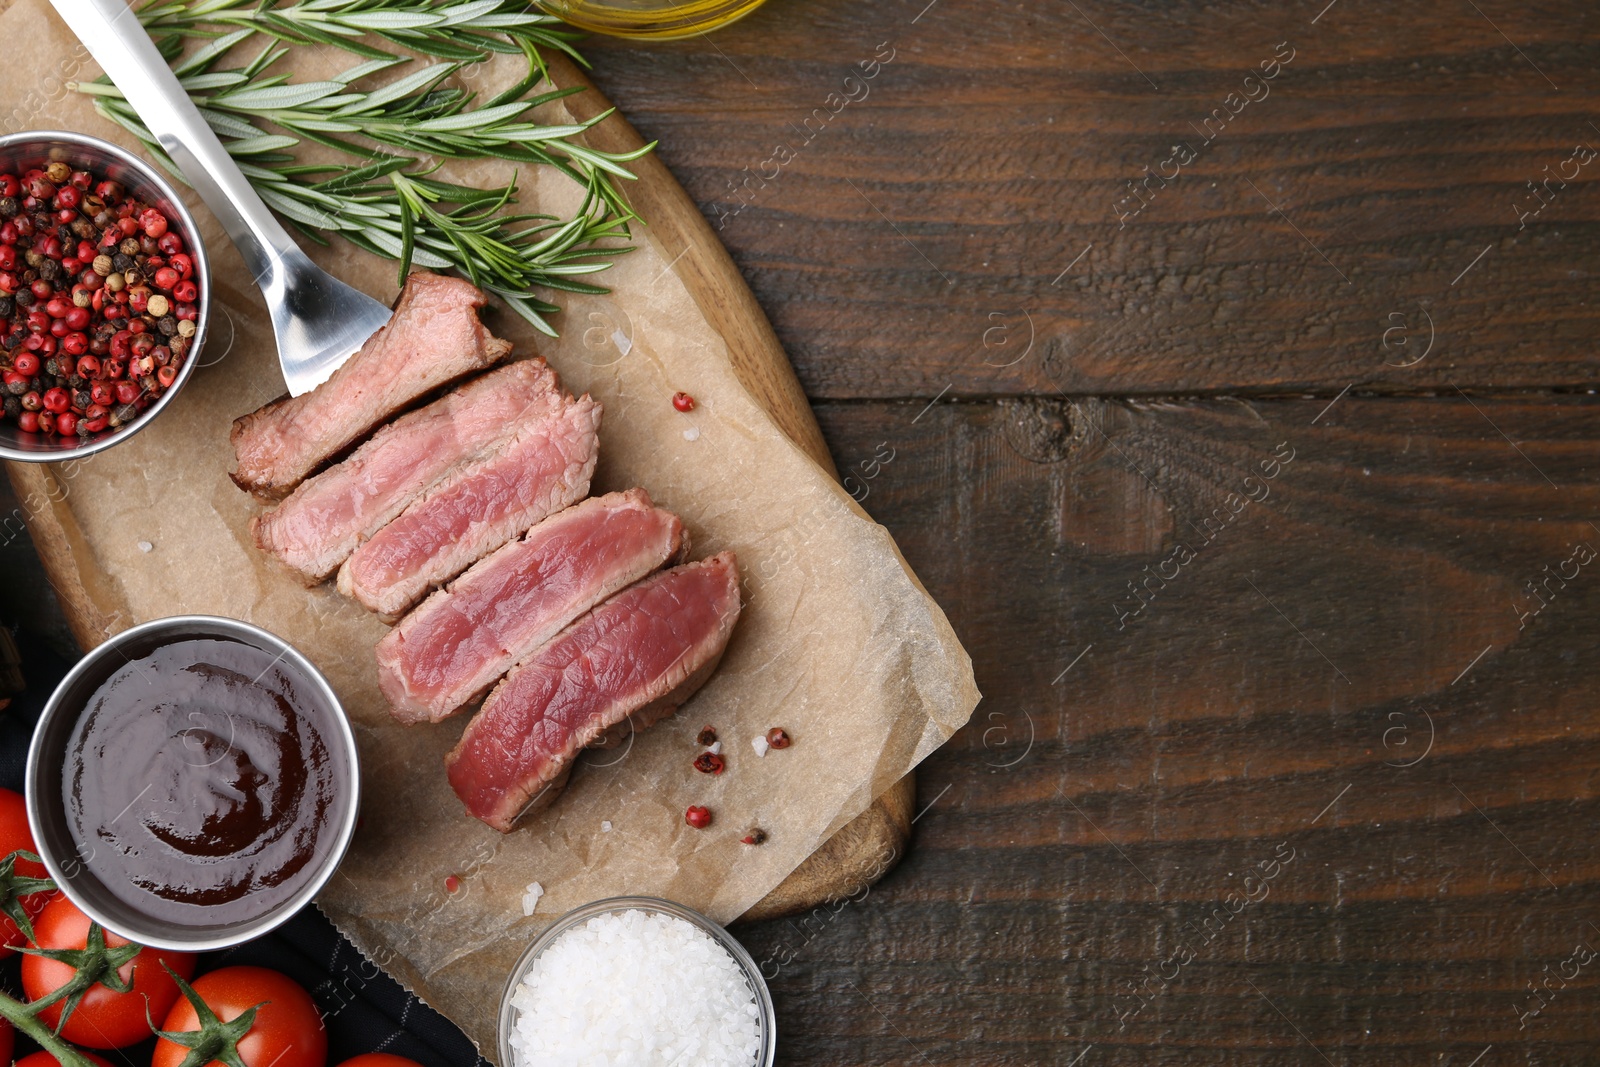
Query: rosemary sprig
point(397, 132)
point(460, 30)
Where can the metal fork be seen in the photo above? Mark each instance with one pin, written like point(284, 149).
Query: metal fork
point(319, 321)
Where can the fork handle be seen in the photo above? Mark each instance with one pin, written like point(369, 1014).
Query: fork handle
point(111, 32)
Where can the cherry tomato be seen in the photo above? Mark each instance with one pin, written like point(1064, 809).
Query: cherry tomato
point(379, 1059)
point(287, 1031)
point(14, 835)
point(44, 1059)
point(103, 1018)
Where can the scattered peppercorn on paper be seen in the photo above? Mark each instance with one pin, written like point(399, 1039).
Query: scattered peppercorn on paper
point(838, 644)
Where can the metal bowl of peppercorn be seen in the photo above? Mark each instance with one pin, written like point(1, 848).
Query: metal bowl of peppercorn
point(105, 292)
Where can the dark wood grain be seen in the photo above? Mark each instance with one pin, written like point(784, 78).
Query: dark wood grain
point(1338, 676)
point(907, 238)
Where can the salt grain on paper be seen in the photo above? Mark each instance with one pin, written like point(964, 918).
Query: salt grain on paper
point(145, 546)
point(692, 434)
point(635, 988)
point(716, 748)
point(530, 899)
point(605, 827)
point(759, 743)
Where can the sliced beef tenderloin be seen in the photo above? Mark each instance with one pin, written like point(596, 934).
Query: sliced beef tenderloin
point(317, 527)
point(453, 647)
point(544, 466)
point(434, 338)
point(642, 652)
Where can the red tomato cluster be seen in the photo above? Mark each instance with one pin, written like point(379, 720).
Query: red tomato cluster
point(286, 1031)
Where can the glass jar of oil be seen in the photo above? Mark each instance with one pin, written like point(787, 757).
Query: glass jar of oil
point(657, 19)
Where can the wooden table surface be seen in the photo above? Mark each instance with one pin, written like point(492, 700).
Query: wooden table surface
point(1226, 372)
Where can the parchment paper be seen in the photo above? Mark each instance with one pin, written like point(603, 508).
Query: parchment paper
point(837, 643)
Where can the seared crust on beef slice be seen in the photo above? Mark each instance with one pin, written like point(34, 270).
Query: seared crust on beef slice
point(544, 466)
point(453, 647)
point(433, 339)
point(317, 527)
point(646, 649)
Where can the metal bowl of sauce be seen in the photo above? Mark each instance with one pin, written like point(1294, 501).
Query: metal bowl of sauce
point(192, 783)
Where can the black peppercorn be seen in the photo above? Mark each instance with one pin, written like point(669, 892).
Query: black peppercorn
point(7, 305)
point(24, 298)
point(50, 270)
point(81, 397)
point(122, 263)
point(13, 407)
point(9, 207)
point(167, 324)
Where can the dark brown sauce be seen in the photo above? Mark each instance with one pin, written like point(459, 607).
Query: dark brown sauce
point(198, 785)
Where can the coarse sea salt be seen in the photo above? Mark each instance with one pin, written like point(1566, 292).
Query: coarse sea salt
point(530, 897)
point(631, 989)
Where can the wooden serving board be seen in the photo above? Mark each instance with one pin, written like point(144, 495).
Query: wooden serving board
point(864, 849)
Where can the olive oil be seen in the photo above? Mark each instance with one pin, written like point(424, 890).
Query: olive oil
point(653, 19)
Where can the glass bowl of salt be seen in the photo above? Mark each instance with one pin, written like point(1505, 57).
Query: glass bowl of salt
point(631, 981)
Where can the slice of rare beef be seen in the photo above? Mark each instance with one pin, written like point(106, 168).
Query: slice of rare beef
point(544, 466)
point(433, 339)
point(453, 647)
point(644, 651)
point(317, 527)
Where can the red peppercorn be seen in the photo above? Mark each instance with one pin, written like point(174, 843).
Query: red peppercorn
point(108, 191)
point(27, 364)
point(66, 424)
point(28, 422)
point(94, 425)
point(754, 837)
point(778, 738)
point(697, 817)
point(153, 222)
point(166, 278)
point(102, 393)
point(452, 884)
point(9, 186)
point(127, 392)
point(88, 366)
point(32, 401)
point(170, 244)
point(8, 257)
point(56, 400)
point(166, 376)
point(708, 763)
point(683, 401)
point(186, 292)
point(68, 196)
point(181, 263)
point(77, 344)
point(81, 180)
